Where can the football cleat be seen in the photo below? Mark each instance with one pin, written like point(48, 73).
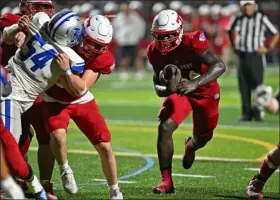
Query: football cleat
point(68, 181)
point(49, 189)
point(163, 188)
point(116, 195)
point(254, 189)
point(189, 155)
point(42, 195)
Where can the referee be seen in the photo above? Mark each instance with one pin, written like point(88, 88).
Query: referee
point(249, 27)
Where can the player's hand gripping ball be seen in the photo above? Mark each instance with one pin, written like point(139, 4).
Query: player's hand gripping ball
point(170, 76)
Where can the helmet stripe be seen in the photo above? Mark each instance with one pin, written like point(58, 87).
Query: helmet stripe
point(60, 22)
point(54, 21)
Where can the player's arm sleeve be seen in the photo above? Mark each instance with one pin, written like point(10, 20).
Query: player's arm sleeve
point(9, 34)
point(103, 64)
point(216, 67)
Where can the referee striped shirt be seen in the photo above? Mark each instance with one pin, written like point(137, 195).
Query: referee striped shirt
point(250, 31)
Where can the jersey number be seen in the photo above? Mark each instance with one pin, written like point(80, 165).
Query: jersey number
point(39, 59)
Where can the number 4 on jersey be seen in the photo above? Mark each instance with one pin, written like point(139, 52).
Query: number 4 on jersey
point(41, 59)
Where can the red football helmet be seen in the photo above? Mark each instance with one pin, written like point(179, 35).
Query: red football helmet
point(98, 35)
point(31, 7)
point(167, 30)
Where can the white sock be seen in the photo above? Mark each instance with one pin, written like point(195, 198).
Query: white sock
point(10, 187)
point(114, 187)
point(35, 184)
point(6, 183)
point(64, 166)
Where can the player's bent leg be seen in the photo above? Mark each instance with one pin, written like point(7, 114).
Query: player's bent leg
point(57, 118)
point(109, 168)
point(93, 125)
point(8, 185)
point(205, 120)
point(19, 167)
point(174, 110)
point(267, 168)
point(46, 165)
point(165, 151)
point(58, 145)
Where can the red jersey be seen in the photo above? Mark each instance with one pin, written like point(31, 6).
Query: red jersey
point(100, 64)
point(185, 57)
point(7, 50)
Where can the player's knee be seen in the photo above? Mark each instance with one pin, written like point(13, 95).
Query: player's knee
point(274, 156)
point(104, 149)
point(58, 135)
point(166, 128)
point(199, 141)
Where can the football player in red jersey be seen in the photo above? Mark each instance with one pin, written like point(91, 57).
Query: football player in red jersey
point(269, 165)
point(32, 116)
point(264, 99)
point(77, 103)
point(191, 86)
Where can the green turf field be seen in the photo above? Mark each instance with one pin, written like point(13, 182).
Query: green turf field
point(131, 109)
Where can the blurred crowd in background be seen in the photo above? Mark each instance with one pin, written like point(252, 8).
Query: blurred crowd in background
point(133, 22)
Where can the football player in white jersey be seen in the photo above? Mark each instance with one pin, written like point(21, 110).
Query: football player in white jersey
point(33, 68)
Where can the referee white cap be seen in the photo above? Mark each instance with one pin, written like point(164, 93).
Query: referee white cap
point(243, 3)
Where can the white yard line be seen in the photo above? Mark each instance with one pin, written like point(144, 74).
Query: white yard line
point(119, 181)
point(129, 154)
point(192, 175)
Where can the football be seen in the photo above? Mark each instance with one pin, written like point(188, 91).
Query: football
point(170, 70)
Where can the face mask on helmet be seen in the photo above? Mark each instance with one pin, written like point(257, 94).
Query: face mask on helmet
point(31, 7)
point(90, 47)
point(166, 41)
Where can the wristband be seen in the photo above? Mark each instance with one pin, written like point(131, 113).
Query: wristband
point(68, 71)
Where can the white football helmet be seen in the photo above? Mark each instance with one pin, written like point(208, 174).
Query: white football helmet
point(262, 96)
point(98, 35)
point(31, 7)
point(167, 30)
point(66, 28)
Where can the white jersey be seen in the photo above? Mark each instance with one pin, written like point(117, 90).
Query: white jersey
point(33, 69)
